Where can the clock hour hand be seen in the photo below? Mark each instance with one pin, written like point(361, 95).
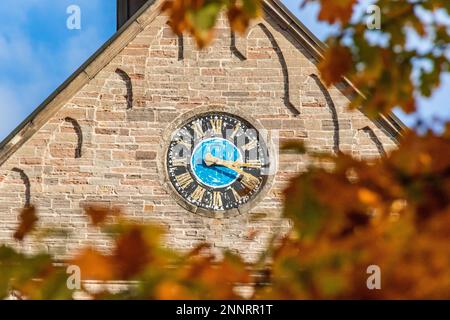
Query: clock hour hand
point(250, 180)
point(211, 160)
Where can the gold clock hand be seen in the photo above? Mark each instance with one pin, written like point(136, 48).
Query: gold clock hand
point(254, 165)
point(248, 179)
point(211, 160)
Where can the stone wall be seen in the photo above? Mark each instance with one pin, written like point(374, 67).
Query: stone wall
point(105, 145)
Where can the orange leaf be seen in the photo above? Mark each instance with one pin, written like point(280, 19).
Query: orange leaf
point(94, 265)
point(336, 63)
point(336, 11)
point(171, 290)
point(367, 196)
point(99, 214)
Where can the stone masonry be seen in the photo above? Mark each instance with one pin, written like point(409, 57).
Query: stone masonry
point(104, 145)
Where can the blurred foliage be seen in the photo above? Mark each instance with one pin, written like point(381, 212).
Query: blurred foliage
point(393, 212)
point(379, 62)
point(138, 256)
point(198, 17)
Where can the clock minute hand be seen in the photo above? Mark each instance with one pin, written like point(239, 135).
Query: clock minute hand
point(245, 164)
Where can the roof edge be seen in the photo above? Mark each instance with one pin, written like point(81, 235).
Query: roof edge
point(390, 121)
point(26, 126)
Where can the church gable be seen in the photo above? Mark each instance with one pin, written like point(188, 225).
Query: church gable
point(108, 143)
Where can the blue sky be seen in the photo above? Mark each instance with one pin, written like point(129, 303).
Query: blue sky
point(38, 52)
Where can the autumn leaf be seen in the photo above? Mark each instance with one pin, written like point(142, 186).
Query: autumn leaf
point(337, 61)
point(196, 17)
point(333, 11)
point(99, 214)
point(28, 220)
point(367, 196)
point(171, 290)
point(240, 13)
point(93, 265)
point(238, 21)
point(199, 17)
point(131, 253)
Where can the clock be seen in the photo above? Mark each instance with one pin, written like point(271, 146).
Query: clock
point(217, 161)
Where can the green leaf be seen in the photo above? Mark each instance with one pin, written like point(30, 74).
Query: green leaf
point(205, 18)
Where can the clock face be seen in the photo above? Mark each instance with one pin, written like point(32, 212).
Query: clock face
point(217, 161)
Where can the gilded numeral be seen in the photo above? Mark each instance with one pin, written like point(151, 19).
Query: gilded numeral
point(216, 125)
point(236, 195)
point(198, 129)
point(184, 180)
point(217, 200)
point(251, 145)
point(184, 143)
point(198, 193)
point(179, 162)
point(256, 164)
point(250, 181)
point(235, 131)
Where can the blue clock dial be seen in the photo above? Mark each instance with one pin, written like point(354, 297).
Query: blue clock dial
point(217, 161)
point(215, 176)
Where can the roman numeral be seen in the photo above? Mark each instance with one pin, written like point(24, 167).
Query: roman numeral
point(184, 180)
point(251, 145)
point(184, 143)
point(235, 131)
point(236, 195)
point(198, 193)
point(198, 129)
point(217, 200)
point(216, 125)
point(179, 162)
point(256, 164)
point(249, 181)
